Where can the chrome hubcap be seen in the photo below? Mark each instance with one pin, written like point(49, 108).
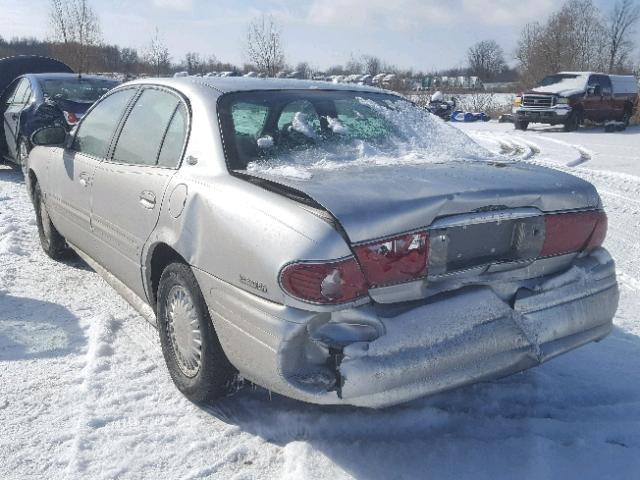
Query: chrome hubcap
point(183, 329)
point(46, 222)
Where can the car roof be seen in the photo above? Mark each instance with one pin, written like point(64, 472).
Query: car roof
point(240, 84)
point(62, 76)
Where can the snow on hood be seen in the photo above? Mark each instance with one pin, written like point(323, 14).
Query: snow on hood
point(420, 138)
point(565, 87)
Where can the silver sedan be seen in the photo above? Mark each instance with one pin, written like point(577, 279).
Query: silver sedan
point(332, 243)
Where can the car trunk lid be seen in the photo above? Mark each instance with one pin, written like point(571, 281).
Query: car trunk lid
point(374, 202)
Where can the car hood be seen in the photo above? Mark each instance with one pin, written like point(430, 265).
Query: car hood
point(380, 200)
point(561, 92)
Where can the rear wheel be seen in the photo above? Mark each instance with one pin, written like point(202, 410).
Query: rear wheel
point(521, 124)
point(51, 241)
point(193, 354)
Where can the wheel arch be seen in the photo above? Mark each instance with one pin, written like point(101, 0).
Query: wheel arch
point(159, 257)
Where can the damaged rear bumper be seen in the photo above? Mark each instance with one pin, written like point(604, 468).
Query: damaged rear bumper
point(377, 355)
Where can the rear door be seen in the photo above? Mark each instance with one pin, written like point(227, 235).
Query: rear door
point(17, 102)
point(70, 177)
point(129, 187)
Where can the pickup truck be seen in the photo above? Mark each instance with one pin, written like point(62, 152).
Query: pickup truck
point(570, 98)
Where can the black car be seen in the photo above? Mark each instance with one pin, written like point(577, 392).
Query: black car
point(33, 101)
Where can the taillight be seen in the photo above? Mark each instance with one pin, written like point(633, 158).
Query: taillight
point(394, 260)
point(70, 117)
point(573, 232)
point(325, 283)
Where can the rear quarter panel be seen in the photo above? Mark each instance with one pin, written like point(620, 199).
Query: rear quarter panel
point(229, 228)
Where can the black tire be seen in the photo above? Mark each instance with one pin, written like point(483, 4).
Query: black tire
point(213, 376)
point(53, 244)
point(521, 124)
point(626, 118)
point(572, 122)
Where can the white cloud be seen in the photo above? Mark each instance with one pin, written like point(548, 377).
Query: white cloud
point(183, 5)
point(414, 14)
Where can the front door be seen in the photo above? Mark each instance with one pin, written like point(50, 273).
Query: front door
point(71, 172)
point(593, 102)
point(15, 105)
point(129, 187)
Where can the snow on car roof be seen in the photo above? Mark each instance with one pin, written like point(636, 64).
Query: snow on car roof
point(54, 76)
point(238, 84)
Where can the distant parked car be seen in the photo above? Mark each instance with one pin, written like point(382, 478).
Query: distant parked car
point(570, 98)
point(370, 278)
point(36, 100)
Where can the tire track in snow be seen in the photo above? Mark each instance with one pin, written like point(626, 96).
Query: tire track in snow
point(98, 359)
point(620, 192)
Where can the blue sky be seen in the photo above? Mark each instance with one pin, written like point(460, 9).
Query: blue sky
point(423, 34)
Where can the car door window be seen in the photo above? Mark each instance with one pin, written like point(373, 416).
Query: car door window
point(21, 92)
point(141, 137)
point(594, 84)
point(173, 143)
point(605, 84)
point(95, 132)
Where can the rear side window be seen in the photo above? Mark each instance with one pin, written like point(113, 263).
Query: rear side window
point(144, 130)
point(95, 132)
point(171, 150)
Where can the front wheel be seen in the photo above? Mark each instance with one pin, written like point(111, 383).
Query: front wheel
point(521, 124)
point(572, 122)
point(193, 354)
point(52, 242)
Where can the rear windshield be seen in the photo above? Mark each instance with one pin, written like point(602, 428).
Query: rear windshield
point(82, 90)
point(297, 132)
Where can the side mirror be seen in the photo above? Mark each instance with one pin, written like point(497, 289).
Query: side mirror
point(597, 91)
point(49, 136)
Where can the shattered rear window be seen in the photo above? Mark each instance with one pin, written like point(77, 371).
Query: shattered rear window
point(294, 132)
point(81, 90)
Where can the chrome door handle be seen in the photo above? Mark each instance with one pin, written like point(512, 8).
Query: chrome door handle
point(147, 199)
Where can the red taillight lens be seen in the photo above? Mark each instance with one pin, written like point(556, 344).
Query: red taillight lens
point(325, 283)
point(573, 232)
point(70, 117)
point(396, 260)
point(599, 232)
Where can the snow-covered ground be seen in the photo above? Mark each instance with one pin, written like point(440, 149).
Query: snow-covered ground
point(84, 392)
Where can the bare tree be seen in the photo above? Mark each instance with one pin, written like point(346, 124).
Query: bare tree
point(264, 45)
point(486, 59)
point(77, 27)
point(304, 70)
point(620, 25)
point(193, 63)
point(372, 64)
point(157, 54)
point(573, 38)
